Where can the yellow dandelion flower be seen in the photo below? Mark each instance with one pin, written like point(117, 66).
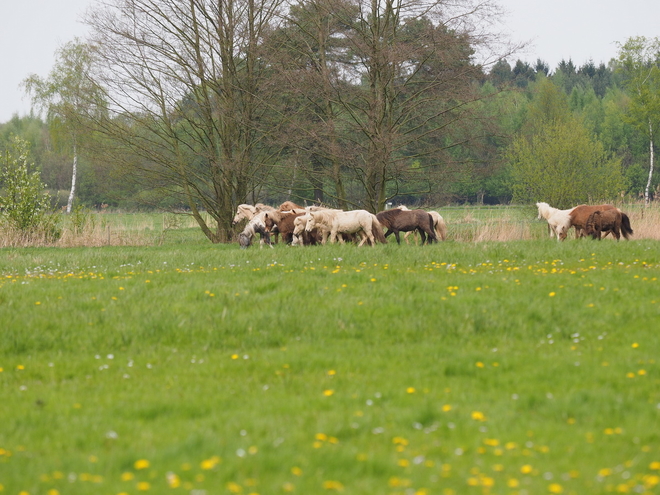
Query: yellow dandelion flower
point(479, 364)
point(655, 465)
point(127, 476)
point(333, 485)
point(332, 372)
point(234, 487)
point(403, 462)
point(143, 486)
point(478, 416)
point(141, 464)
point(321, 436)
point(446, 408)
point(635, 345)
point(552, 294)
point(555, 488)
point(513, 483)
point(296, 471)
point(526, 469)
point(328, 392)
point(410, 390)
point(53, 491)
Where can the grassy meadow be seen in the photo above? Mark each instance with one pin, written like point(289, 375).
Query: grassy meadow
point(474, 366)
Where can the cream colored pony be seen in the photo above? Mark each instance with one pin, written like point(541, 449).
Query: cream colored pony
point(321, 220)
point(248, 212)
point(359, 222)
point(559, 221)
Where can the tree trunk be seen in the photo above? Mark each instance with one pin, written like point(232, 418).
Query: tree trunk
point(72, 193)
point(648, 182)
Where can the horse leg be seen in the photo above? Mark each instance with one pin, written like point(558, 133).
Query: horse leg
point(396, 234)
point(422, 235)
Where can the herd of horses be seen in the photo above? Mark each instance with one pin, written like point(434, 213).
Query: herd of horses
point(596, 221)
point(303, 226)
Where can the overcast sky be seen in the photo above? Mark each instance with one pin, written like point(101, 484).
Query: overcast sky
point(580, 30)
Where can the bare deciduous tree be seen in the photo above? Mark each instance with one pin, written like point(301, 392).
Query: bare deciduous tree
point(190, 98)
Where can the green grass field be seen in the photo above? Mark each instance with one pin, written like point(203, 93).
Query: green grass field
point(523, 367)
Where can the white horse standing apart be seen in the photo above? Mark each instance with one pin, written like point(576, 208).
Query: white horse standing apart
point(559, 221)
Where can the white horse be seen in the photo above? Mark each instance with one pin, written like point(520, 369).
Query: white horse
point(253, 227)
point(321, 220)
point(357, 222)
point(559, 221)
point(439, 225)
point(248, 212)
point(299, 224)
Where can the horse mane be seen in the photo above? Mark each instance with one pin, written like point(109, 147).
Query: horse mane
point(387, 216)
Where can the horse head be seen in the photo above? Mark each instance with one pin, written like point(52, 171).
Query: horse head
point(311, 221)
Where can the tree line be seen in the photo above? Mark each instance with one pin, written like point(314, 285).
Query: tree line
point(200, 106)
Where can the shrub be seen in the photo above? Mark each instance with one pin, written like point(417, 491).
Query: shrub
point(24, 206)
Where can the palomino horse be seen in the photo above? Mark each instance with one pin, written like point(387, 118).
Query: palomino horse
point(439, 225)
point(301, 236)
point(341, 223)
point(607, 221)
point(247, 212)
point(559, 221)
point(322, 221)
point(397, 220)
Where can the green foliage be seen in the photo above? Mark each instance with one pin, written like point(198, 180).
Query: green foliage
point(25, 205)
point(562, 164)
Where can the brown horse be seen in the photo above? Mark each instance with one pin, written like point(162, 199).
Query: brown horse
point(290, 205)
point(396, 220)
point(608, 221)
point(281, 222)
point(580, 214)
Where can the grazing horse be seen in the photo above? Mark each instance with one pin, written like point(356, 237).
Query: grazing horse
point(397, 220)
point(607, 221)
point(580, 214)
point(559, 221)
point(439, 225)
point(254, 226)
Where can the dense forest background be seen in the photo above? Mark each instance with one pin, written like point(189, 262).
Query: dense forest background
point(329, 112)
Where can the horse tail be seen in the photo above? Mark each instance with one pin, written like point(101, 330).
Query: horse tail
point(440, 227)
point(626, 229)
point(377, 230)
point(434, 238)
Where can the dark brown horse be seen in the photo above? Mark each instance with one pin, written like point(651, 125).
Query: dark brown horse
point(608, 221)
point(396, 220)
